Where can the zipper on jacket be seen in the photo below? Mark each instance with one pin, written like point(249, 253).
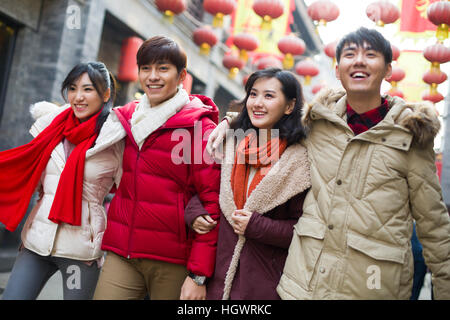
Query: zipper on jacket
point(134, 205)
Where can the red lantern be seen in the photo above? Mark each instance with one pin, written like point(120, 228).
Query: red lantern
point(245, 79)
point(232, 63)
point(434, 78)
point(171, 7)
point(323, 11)
point(307, 69)
point(245, 42)
point(439, 14)
point(394, 92)
point(395, 52)
point(433, 97)
point(291, 46)
point(397, 75)
point(330, 50)
point(382, 12)
point(268, 10)
point(219, 8)
point(205, 38)
point(268, 62)
point(316, 88)
point(187, 83)
point(437, 54)
point(128, 68)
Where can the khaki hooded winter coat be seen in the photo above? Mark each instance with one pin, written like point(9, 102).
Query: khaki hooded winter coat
point(353, 240)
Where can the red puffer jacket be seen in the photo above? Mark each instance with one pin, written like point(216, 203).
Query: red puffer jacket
point(146, 215)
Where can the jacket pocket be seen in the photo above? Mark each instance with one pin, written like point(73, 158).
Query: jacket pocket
point(304, 251)
point(373, 270)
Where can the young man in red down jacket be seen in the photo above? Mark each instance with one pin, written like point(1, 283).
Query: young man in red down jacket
point(150, 248)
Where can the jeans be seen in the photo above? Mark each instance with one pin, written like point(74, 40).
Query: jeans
point(420, 269)
point(32, 271)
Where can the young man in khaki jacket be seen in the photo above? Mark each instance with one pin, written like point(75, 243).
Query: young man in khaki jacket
point(373, 174)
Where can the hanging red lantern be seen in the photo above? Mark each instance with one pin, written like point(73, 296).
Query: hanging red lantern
point(219, 9)
point(382, 12)
point(397, 75)
point(395, 52)
point(205, 38)
point(128, 68)
point(433, 97)
point(434, 79)
point(330, 51)
point(268, 10)
point(394, 92)
point(232, 63)
point(291, 46)
point(437, 54)
point(307, 69)
point(323, 11)
point(245, 42)
point(268, 62)
point(431, 77)
point(171, 8)
point(439, 14)
point(316, 88)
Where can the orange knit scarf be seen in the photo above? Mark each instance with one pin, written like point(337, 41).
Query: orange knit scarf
point(248, 155)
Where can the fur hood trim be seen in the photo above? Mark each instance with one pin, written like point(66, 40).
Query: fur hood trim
point(43, 108)
point(420, 118)
point(287, 178)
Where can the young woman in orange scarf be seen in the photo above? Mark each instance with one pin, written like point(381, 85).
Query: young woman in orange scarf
point(264, 179)
point(73, 162)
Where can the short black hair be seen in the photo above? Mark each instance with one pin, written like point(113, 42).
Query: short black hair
point(370, 36)
point(289, 126)
point(161, 48)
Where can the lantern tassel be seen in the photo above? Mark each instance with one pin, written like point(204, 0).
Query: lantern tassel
point(442, 32)
point(218, 20)
point(168, 16)
point(288, 61)
point(266, 24)
point(205, 49)
point(233, 72)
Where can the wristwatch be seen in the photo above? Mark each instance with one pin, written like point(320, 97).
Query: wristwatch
point(199, 280)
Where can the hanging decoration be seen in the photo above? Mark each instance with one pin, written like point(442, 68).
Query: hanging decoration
point(433, 97)
point(268, 10)
point(330, 51)
point(233, 63)
point(437, 54)
point(268, 62)
point(308, 69)
point(382, 12)
point(205, 38)
point(171, 8)
point(291, 46)
point(219, 9)
point(397, 75)
point(316, 88)
point(245, 42)
point(128, 68)
point(395, 52)
point(433, 79)
point(323, 11)
point(439, 14)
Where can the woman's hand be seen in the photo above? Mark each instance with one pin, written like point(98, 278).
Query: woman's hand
point(240, 221)
point(215, 140)
point(203, 224)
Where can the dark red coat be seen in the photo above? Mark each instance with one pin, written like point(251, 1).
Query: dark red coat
point(264, 254)
point(146, 215)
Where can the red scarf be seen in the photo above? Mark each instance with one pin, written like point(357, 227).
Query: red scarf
point(248, 154)
point(21, 169)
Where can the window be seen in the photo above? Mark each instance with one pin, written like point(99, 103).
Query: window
point(7, 39)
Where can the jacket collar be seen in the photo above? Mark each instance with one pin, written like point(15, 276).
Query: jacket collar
point(416, 122)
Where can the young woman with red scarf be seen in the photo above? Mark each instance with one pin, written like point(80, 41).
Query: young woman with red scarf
point(73, 162)
point(264, 180)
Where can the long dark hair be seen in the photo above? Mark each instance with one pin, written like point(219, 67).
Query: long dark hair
point(289, 126)
point(102, 80)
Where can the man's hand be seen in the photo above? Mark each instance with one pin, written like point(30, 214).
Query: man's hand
point(203, 224)
point(240, 221)
point(215, 139)
point(191, 291)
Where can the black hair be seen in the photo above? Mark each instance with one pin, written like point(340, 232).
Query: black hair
point(161, 48)
point(289, 126)
point(370, 36)
point(102, 80)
